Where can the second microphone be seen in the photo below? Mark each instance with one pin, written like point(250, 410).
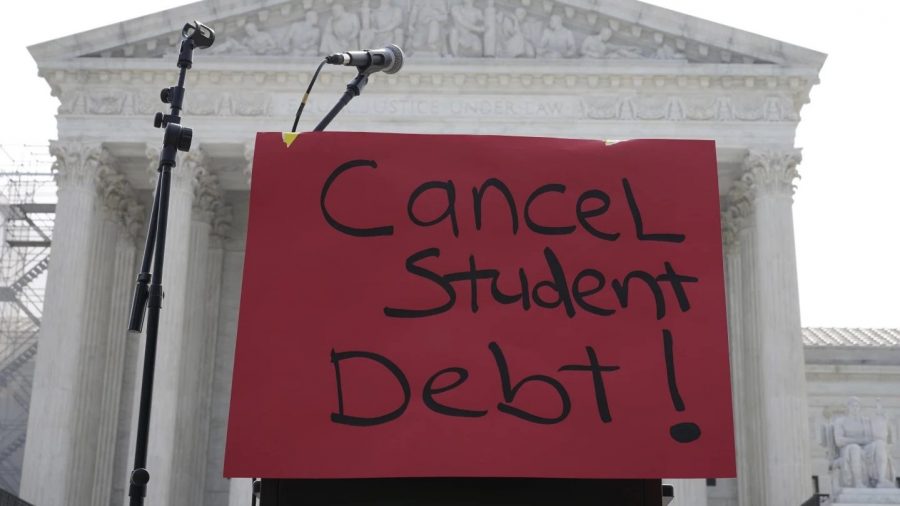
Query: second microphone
point(388, 59)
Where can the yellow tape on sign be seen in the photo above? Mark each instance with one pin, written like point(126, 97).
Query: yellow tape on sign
point(289, 138)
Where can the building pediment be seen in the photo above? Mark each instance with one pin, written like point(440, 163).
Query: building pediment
point(627, 30)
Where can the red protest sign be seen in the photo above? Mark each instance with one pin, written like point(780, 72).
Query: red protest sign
point(418, 305)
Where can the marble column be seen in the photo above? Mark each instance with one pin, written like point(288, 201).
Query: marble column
point(60, 453)
point(120, 202)
point(733, 225)
point(214, 460)
point(688, 492)
point(123, 458)
point(204, 279)
point(240, 492)
point(772, 382)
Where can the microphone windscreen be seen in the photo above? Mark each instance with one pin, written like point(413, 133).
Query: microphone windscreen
point(397, 60)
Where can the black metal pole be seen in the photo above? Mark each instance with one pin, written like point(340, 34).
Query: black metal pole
point(354, 88)
point(139, 475)
point(148, 292)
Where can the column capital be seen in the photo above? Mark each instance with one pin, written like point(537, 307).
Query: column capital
point(730, 232)
point(77, 161)
point(771, 171)
point(209, 202)
point(221, 223)
point(249, 148)
point(207, 194)
point(134, 217)
point(151, 151)
point(764, 172)
point(189, 167)
point(119, 199)
point(740, 205)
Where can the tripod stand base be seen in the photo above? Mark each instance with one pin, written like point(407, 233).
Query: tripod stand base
point(458, 491)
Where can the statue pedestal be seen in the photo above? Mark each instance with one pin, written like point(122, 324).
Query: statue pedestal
point(867, 496)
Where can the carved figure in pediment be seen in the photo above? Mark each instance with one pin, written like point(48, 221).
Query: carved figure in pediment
point(426, 26)
point(557, 40)
point(341, 32)
point(598, 46)
point(382, 25)
point(594, 46)
point(533, 29)
point(512, 42)
point(467, 30)
point(303, 36)
point(257, 41)
point(667, 52)
point(253, 42)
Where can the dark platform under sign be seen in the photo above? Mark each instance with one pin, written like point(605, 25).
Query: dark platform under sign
point(461, 491)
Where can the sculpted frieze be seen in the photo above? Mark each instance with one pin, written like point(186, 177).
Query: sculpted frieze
point(382, 22)
point(663, 105)
point(147, 102)
point(690, 108)
point(445, 28)
point(341, 30)
point(107, 102)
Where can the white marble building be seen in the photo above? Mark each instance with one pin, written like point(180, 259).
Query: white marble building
point(566, 68)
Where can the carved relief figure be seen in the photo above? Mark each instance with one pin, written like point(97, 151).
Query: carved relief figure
point(384, 25)
point(467, 30)
point(862, 457)
point(303, 36)
point(107, 103)
point(594, 46)
point(598, 46)
point(512, 42)
point(254, 42)
point(258, 42)
point(341, 32)
point(668, 52)
point(426, 26)
point(557, 41)
point(532, 29)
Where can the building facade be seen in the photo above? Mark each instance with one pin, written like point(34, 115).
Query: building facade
point(561, 68)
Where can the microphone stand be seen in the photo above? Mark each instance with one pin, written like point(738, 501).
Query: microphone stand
point(148, 292)
point(354, 88)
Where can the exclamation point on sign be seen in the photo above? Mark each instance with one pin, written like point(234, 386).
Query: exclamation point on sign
point(683, 432)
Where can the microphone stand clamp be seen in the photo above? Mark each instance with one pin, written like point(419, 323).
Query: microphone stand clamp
point(354, 88)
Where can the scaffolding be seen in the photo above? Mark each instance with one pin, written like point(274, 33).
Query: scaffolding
point(27, 211)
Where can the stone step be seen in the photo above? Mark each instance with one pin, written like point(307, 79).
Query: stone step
point(868, 497)
point(863, 503)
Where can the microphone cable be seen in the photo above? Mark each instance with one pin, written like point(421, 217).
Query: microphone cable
point(306, 95)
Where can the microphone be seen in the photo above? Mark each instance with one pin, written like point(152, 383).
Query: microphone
point(389, 59)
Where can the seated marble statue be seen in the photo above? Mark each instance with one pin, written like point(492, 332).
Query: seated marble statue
point(862, 444)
